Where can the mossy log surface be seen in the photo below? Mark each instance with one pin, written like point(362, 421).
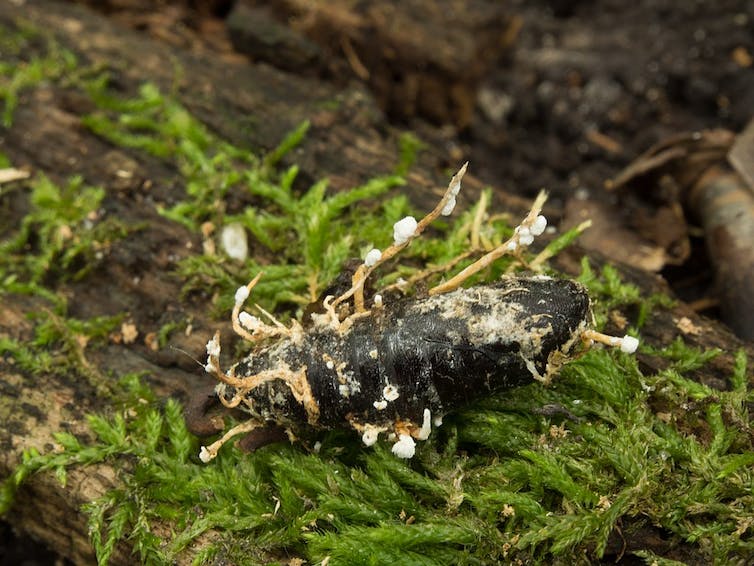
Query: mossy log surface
point(250, 105)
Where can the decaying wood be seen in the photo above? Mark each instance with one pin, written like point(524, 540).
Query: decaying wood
point(348, 144)
point(691, 173)
point(419, 57)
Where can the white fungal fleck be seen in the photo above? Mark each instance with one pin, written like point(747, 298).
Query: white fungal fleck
point(344, 390)
point(374, 354)
point(525, 238)
point(213, 347)
point(370, 435)
point(372, 257)
point(378, 300)
point(455, 188)
point(629, 344)
point(539, 225)
point(234, 241)
point(426, 428)
point(404, 229)
point(242, 293)
point(204, 455)
point(210, 367)
point(449, 206)
point(390, 392)
point(330, 364)
point(380, 405)
point(437, 421)
point(249, 321)
point(405, 447)
point(512, 245)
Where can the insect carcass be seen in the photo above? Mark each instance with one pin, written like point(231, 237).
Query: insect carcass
point(397, 367)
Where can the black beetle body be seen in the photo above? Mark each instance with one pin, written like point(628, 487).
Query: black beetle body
point(433, 354)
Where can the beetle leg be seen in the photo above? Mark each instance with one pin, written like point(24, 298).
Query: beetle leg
point(627, 344)
point(251, 328)
point(208, 453)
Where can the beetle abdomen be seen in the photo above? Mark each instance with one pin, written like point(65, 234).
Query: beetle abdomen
point(437, 353)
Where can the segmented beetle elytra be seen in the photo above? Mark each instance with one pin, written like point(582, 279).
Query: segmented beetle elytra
point(397, 367)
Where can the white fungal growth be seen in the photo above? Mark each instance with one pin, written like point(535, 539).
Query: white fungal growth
point(525, 237)
point(209, 367)
point(372, 257)
point(426, 428)
point(204, 455)
point(449, 206)
point(370, 435)
point(390, 392)
point(455, 188)
point(234, 241)
point(405, 447)
point(380, 405)
point(330, 364)
point(437, 421)
point(249, 321)
point(539, 225)
point(374, 354)
point(213, 347)
point(378, 300)
point(404, 229)
point(629, 344)
point(242, 293)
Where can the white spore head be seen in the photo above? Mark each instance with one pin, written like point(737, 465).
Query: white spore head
point(525, 238)
point(405, 447)
point(404, 229)
point(539, 225)
point(372, 257)
point(449, 206)
point(390, 393)
point(249, 321)
point(370, 436)
point(455, 188)
point(242, 293)
point(204, 455)
point(213, 347)
point(629, 344)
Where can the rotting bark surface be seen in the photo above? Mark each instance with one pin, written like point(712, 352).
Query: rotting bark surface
point(255, 105)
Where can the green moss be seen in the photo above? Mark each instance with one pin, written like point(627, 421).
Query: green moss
point(535, 474)
point(308, 233)
point(19, 73)
point(530, 486)
point(62, 235)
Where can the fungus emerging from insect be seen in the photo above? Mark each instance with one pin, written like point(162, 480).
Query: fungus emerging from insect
point(396, 368)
